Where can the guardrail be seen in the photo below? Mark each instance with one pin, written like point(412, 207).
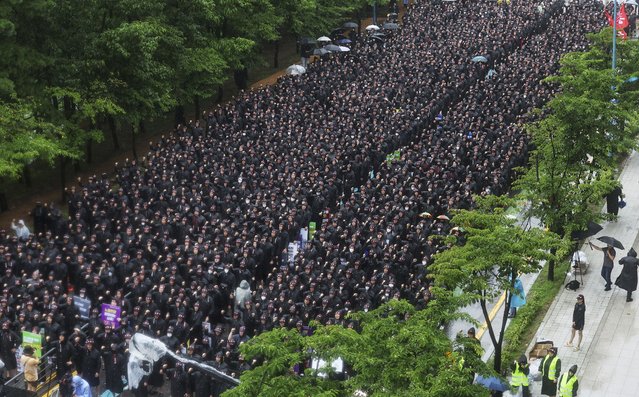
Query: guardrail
point(47, 378)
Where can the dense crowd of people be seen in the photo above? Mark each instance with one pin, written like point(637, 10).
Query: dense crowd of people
point(191, 242)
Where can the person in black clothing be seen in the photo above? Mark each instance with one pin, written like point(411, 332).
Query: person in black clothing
point(612, 200)
point(9, 343)
point(63, 355)
point(91, 366)
point(114, 369)
point(578, 321)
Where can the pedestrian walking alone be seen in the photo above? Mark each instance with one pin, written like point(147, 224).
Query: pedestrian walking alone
point(568, 383)
point(550, 368)
point(578, 320)
point(628, 278)
point(612, 200)
point(608, 262)
point(518, 298)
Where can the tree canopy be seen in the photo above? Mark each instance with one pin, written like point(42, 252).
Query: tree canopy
point(587, 125)
point(396, 351)
point(127, 61)
point(496, 250)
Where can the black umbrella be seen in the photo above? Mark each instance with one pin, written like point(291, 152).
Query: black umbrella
point(307, 40)
point(592, 229)
point(337, 31)
point(611, 241)
point(350, 25)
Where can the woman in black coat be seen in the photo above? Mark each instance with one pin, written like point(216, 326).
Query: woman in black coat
point(115, 370)
point(628, 278)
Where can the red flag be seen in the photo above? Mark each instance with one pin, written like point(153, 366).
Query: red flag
point(622, 18)
point(608, 17)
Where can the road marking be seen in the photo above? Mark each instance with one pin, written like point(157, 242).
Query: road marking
point(491, 315)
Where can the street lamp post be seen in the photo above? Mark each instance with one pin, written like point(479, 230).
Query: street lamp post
point(614, 35)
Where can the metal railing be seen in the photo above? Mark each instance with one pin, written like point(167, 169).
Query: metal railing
point(47, 378)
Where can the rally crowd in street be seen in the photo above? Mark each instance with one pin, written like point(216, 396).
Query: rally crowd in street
point(191, 242)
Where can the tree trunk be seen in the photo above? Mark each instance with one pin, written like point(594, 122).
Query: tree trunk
point(26, 175)
point(89, 151)
point(63, 177)
point(68, 107)
point(551, 266)
point(114, 133)
point(375, 12)
point(276, 55)
point(196, 105)
point(220, 93)
point(179, 115)
point(142, 127)
point(133, 133)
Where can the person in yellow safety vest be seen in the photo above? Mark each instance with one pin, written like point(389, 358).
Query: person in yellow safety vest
point(550, 368)
point(568, 383)
point(520, 375)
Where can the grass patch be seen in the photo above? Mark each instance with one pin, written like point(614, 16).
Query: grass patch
point(523, 327)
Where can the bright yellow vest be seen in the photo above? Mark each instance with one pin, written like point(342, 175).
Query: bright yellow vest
point(566, 385)
point(519, 378)
point(551, 369)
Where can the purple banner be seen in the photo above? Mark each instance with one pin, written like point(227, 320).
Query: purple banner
point(111, 315)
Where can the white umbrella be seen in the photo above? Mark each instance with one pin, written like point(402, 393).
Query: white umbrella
point(295, 70)
point(324, 39)
point(631, 2)
point(372, 27)
point(344, 49)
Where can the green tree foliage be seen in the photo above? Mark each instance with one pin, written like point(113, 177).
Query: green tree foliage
point(398, 352)
point(75, 64)
point(576, 146)
point(24, 138)
point(495, 252)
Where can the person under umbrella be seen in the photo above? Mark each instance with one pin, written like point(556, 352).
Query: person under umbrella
point(608, 262)
point(627, 280)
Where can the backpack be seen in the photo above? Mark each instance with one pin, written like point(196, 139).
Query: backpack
point(573, 285)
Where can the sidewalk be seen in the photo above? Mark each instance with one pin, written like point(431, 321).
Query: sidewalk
point(611, 333)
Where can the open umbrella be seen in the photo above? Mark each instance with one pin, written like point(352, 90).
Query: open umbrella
point(378, 39)
point(425, 215)
point(333, 48)
point(295, 70)
point(611, 241)
point(592, 229)
point(343, 49)
point(372, 27)
point(307, 40)
point(344, 41)
point(321, 51)
point(390, 26)
point(479, 58)
point(492, 383)
point(350, 25)
point(443, 218)
point(324, 39)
